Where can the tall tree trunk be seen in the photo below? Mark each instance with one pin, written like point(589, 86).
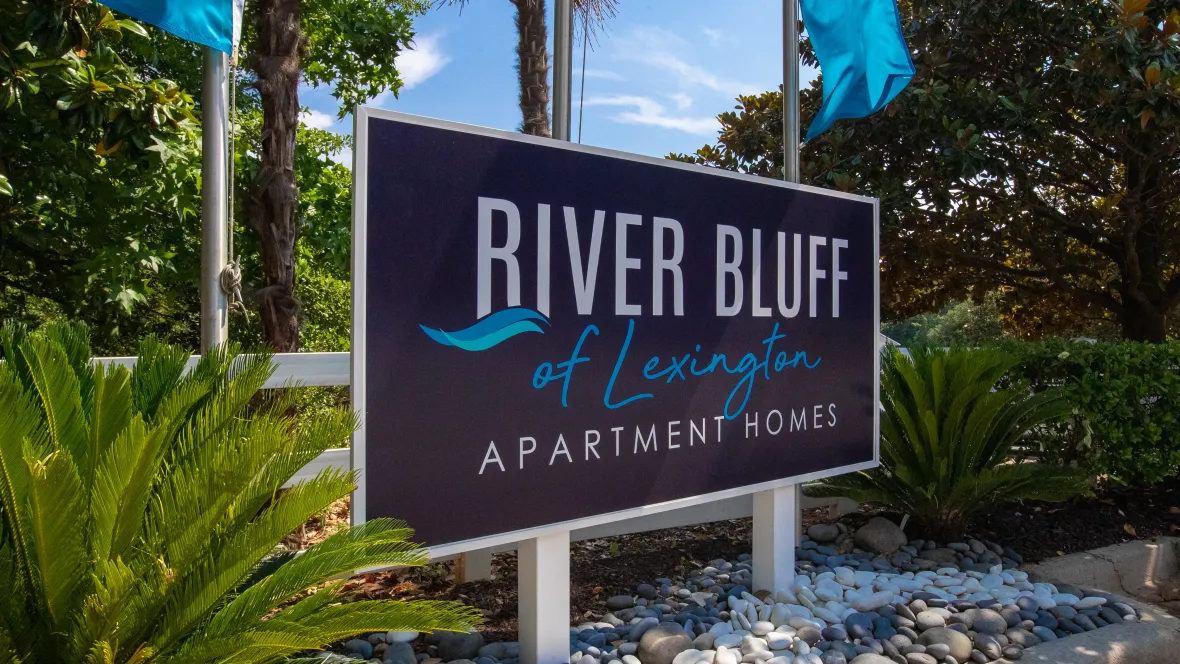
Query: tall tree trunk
point(275, 196)
point(1142, 322)
point(532, 53)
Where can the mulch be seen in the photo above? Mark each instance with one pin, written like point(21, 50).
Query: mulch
point(611, 566)
point(1115, 514)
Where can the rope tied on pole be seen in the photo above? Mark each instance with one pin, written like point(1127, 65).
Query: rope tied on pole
point(231, 285)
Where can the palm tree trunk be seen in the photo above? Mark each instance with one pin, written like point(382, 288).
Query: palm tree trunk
point(533, 66)
point(275, 196)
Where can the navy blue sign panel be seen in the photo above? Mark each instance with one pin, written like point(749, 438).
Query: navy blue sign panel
point(547, 333)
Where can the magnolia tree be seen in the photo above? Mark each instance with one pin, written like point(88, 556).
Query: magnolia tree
point(1036, 150)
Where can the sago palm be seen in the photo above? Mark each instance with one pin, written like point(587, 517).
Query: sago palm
point(947, 437)
point(141, 510)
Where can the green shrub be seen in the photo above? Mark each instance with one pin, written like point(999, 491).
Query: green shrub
point(947, 439)
point(140, 513)
point(1126, 402)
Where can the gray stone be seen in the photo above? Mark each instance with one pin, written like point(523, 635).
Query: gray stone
point(400, 652)
point(1044, 633)
point(459, 645)
point(1022, 638)
point(704, 641)
point(988, 645)
point(985, 620)
point(646, 591)
point(823, 532)
point(957, 642)
point(495, 650)
point(808, 634)
point(834, 633)
point(662, 643)
point(834, 657)
point(859, 625)
point(938, 650)
point(880, 535)
point(920, 658)
point(871, 658)
point(360, 647)
point(930, 620)
point(944, 556)
point(620, 602)
point(1013, 652)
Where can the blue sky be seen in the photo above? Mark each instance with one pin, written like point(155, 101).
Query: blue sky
point(657, 78)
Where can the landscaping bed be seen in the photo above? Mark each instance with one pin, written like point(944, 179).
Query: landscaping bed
point(606, 567)
point(607, 587)
point(922, 603)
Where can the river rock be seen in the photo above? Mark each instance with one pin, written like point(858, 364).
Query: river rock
point(620, 602)
point(985, 620)
point(460, 645)
point(930, 620)
point(958, 643)
point(662, 643)
point(880, 535)
point(823, 532)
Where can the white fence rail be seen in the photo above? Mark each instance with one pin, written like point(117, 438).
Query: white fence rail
point(332, 369)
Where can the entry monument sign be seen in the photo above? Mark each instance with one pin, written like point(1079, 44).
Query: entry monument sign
point(549, 335)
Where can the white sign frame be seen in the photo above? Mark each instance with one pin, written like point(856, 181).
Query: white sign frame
point(361, 118)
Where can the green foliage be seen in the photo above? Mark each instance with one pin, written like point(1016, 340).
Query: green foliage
point(947, 440)
point(323, 254)
point(965, 323)
point(98, 166)
point(1126, 405)
point(353, 45)
point(1037, 150)
point(140, 513)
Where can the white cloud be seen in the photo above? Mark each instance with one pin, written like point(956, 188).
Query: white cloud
point(316, 119)
point(343, 157)
point(660, 50)
point(683, 102)
point(424, 61)
point(714, 36)
point(604, 74)
point(649, 112)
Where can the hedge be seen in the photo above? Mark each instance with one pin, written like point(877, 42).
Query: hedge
point(1126, 398)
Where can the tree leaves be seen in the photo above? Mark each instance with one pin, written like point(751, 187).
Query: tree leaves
point(1045, 198)
point(65, 206)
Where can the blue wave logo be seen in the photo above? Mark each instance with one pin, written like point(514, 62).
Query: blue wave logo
point(491, 330)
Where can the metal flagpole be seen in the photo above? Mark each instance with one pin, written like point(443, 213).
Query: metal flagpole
point(791, 90)
point(543, 562)
point(214, 198)
point(777, 521)
point(563, 61)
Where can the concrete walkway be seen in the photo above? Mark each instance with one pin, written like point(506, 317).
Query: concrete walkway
point(1140, 571)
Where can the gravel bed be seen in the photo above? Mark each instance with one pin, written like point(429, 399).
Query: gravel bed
point(863, 597)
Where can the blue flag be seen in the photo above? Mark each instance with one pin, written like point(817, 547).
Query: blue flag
point(862, 54)
point(213, 23)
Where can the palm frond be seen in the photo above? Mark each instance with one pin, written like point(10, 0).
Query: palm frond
point(56, 386)
point(56, 520)
point(208, 581)
point(378, 543)
point(141, 513)
point(947, 437)
point(158, 370)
